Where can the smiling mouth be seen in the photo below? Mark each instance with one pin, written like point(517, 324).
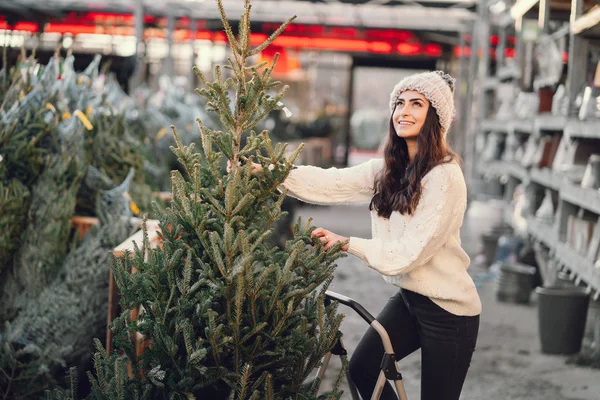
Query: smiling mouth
point(405, 123)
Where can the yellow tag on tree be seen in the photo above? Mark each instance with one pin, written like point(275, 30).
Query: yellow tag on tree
point(84, 120)
point(132, 206)
point(160, 134)
point(51, 108)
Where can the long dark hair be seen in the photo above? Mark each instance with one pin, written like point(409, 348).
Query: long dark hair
point(398, 184)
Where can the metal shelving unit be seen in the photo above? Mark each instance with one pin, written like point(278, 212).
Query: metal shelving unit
point(579, 264)
point(495, 125)
point(505, 168)
point(572, 198)
point(545, 233)
point(518, 171)
point(546, 177)
point(507, 73)
point(588, 199)
point(522, 126)
point(548, 123)
point(576, 128)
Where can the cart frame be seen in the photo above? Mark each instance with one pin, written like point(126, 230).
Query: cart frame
point(388, 368)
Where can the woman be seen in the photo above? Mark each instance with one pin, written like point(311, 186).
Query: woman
point(417, 197)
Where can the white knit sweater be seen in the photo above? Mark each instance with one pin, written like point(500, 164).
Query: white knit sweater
point(422, 252)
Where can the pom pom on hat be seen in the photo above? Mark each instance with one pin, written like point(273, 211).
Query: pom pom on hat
point(437, 87)
point(448, 79)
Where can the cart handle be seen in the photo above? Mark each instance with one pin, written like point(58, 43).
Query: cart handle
point(389, 368)
point(347, 301)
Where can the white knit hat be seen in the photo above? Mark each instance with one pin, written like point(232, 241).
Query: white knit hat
point(437, 87)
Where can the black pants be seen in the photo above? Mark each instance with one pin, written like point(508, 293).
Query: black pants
point(414, 321)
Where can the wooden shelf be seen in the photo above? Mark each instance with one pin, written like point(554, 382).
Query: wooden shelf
point(495, 125)
point(546, 177)
point(578, 264)
point(138, 238)
point(583, 129)
point(582, 197)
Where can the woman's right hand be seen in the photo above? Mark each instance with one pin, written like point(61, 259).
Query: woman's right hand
point(255, 167)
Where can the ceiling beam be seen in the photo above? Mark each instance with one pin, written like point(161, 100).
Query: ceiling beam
point(409, 17)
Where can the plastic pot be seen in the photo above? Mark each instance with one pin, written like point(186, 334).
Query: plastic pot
point(562, 313)
point(490, 245)
point(515, 283)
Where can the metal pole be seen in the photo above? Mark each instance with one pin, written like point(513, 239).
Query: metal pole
point(578, 52)
point(140, 47)
point(482, 49)
point(501, 48)
point(460, 99)
point(349, 105)
point(519, 49)
point(193, 33)
point(544, 15)
point(323, 368)
point(169, 62)
point(471, 124)
point(379, 385)
point(484, 36)
point(528, 68)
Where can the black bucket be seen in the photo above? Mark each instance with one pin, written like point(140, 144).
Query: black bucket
point(515, 283)
point(562, 313)
point(490, 245)
point(592, 325)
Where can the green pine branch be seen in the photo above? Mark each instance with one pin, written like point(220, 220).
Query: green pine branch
point(227, 313)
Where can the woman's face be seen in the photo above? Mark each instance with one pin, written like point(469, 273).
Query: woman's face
point(410, 113)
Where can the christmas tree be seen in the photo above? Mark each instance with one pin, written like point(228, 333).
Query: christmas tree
point(57, 327)
point(50, 167)
point(53, 286)
point(224, 314)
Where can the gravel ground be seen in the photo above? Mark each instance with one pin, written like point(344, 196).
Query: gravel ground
point(507, 364)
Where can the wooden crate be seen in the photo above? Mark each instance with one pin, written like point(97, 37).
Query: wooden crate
point(113, 299)
point(83, 224)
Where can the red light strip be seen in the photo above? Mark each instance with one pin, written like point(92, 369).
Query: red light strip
point(317, 43)
point(462, 51)
point(329, 44)
point(338, 32)
point(409, 49)
point(433, 50)
point(73, 29)
point(21, 26)
point(466, 52)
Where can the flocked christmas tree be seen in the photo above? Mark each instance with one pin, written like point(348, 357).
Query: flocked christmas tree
point(54, 287)
point(225, 315)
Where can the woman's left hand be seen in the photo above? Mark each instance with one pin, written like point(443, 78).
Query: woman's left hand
point(329, 238)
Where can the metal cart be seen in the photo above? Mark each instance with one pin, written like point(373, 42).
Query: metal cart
point(389, 368)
